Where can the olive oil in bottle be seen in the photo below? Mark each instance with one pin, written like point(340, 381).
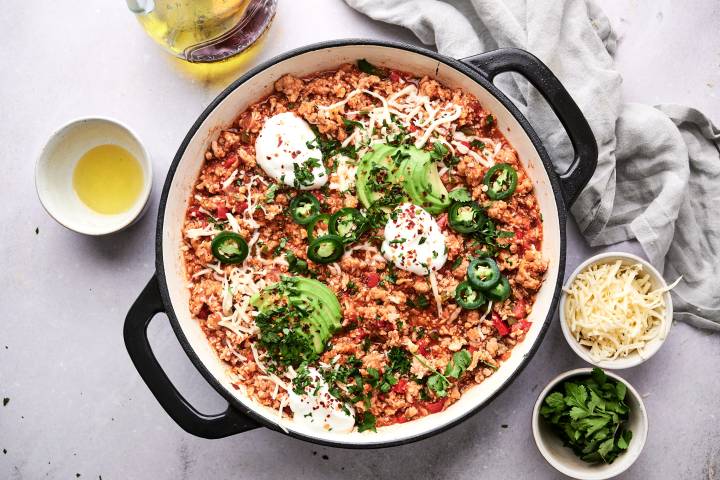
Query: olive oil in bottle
point(108, 179)
point(204, 30)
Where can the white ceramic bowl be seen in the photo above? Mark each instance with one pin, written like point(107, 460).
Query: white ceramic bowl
point(56, 164)
point(633, 358)
point(564, 460)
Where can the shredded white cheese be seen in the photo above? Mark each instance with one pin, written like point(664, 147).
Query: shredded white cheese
point(613, 310)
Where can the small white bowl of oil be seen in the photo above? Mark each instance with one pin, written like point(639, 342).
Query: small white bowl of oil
point(94, 176)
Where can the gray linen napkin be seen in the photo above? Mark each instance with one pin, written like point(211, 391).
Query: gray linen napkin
point(658, 174)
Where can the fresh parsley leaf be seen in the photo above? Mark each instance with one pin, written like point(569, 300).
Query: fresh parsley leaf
point(459, 363)
point(270, 193)
point(365, 421)
point(438, 384)
point(590, 416)
point(460, 194)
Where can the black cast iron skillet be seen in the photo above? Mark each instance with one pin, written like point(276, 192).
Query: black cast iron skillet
point(483, 68)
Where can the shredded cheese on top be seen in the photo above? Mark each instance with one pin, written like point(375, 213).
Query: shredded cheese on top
point(613, 310)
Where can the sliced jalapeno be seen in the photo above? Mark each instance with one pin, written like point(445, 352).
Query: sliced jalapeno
point(501, 181)
point(229, 247)
point(501, 291)
point(304, 208)
point(468, 297)
point(483, 273)
point(326, 249)
point(318, 226)
point(466, 217)
point(348, 224)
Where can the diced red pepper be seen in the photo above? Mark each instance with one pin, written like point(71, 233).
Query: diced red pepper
point(394, 75)
point(400, 419)
point(221, 211)
point(519, 234)
point(230, 160)
point(400, 386)
point(499, 325)
point(519, 309)
point(412, 128)
point(467, 144)
point(435, 407)
point(372, 279)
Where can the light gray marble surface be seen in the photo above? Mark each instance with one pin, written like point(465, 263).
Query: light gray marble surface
point(78, 407)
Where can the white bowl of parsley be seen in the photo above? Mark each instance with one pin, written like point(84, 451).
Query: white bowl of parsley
point(590, 424)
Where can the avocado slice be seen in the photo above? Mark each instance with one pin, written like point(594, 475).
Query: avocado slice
point(416, 173)
point(379, 158)
point(422, 181)
point(324, 312)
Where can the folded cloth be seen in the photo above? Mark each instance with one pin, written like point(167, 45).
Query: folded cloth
point(658, 174)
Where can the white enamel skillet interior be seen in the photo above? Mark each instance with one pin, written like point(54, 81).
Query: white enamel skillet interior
point(168, 290)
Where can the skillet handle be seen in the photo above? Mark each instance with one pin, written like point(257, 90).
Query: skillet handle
point(576, 126)
point(227, 423)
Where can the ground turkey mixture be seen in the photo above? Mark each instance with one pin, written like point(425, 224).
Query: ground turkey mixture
point(405, 347)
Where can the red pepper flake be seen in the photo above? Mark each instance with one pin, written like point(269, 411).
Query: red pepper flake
point(499, 325)
point(372, 279)
point(221, 212)
point(400, 387)
point(435, 407)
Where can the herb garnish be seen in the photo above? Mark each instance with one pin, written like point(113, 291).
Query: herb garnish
point(590, 415)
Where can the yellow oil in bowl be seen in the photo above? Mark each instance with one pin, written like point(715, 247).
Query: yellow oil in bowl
point(108, 179)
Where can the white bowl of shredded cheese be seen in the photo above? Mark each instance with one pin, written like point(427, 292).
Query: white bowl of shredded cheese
point(616, 310)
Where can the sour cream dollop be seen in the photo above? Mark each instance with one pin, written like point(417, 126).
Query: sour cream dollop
point(318, 409)
point(414, 241)
point(282, 148)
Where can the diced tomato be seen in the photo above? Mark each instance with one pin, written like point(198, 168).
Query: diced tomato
point(499, 325)
point(394, 75)
point(221, 211)
point(435, 407)
point(467, 144)
point(400, 419)
point(442, 221)
point(230, 160)
point(372, 279)
point(400, 386)
point(412, 128)
point(519, 309)
point(519, 234)
point(241, 207)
